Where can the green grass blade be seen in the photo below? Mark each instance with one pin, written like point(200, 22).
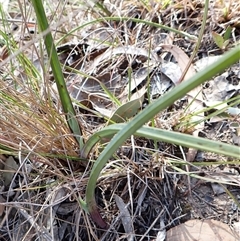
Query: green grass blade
point(57, 72)
point(135, 20)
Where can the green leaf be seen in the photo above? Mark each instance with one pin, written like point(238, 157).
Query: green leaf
point(166, 136)
point(218, 39)
point(126, 111)
point(57, 72)
point(227, 34)
point(148, 113)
